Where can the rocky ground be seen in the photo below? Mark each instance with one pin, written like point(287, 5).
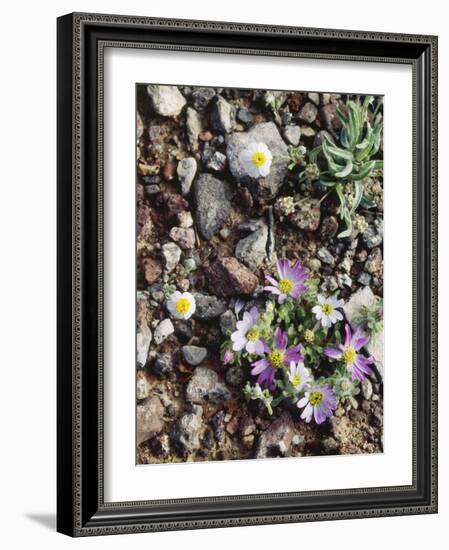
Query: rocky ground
point(203, 226)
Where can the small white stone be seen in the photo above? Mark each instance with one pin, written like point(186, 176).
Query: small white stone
point(163, 330)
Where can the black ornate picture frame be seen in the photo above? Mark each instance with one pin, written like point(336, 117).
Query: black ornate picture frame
point(81, 509)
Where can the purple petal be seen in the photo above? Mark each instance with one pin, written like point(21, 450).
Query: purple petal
point(280, 339)
point(280, 267)
point(293, 354)
point(251, 347)
point(348, 335)
point(259, 366)
point(333, 353)
point(282, 298)
point(260, 347)
point(272, 289)
point(266, 378)
point(359, 339)
point(271, 280)
point(254, 314)
point(319, 415)
point(307, 413)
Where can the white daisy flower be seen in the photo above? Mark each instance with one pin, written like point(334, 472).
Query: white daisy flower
point(326, 310)
point(256, 160)
point(298, 375)
point(181, 305)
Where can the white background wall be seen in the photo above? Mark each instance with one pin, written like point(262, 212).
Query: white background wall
point(27, 273)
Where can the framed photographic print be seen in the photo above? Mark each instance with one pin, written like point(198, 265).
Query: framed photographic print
point(247, 271)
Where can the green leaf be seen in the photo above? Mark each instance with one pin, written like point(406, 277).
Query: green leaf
point(364, 171)
point(346, 170)
point(358, 195)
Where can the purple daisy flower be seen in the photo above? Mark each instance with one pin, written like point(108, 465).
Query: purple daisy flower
point(291, 280)
point(278, 356)
point(356, 364)
point(247, 336)
point(319, 402)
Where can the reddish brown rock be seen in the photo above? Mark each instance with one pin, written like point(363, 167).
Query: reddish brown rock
point(228, 277)
point(171, 204)
point(152, 270)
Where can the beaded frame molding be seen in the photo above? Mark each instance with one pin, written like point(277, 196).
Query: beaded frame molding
point(82, 37)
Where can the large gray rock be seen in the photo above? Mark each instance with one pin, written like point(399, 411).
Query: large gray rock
point(352, 309)
point(205, 386)
point(166, 100)
point(186, 432)
point(212, 204)
point(252, 250)
point(266, 132)
point(149, 419)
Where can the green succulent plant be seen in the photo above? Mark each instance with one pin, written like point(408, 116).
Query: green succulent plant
point(351, 161)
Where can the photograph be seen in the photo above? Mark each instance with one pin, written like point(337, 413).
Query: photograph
point(259, 273)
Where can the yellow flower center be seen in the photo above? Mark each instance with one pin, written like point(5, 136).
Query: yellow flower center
point(286, 286)
point(316, 398)
point(276, 358)
point(349, 355)
point(309, 336)
point(296, 379)
point(327, 309)
point(183, 305)
point(259, 158)
point(253, 334)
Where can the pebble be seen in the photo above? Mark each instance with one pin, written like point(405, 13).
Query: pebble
point(217, 162)
point(373, 236)
point(185, 219)
point(185, 237)
point(235, 376)
point(171, 254)
point(308, 112)
point(208, 307)
point(201, 98)
point(143, 386)
point(245, 115)
point(212, 204)
point(149, 418)
point(221, 115)
point(252, 250)
point(194, 128)
point(194, 355)
point(163, 364)
point(367, 389)
point(276, 440)
point(163, 330)
point(227, 322)
point(205, 386)
point(228, 277)
point(364, 278)
point(292, 134)
point(186, 173)
point(325, 256)
point(185, 433)
point(166, 100)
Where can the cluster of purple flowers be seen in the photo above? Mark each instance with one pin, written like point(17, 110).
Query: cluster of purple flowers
point(317, 401)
